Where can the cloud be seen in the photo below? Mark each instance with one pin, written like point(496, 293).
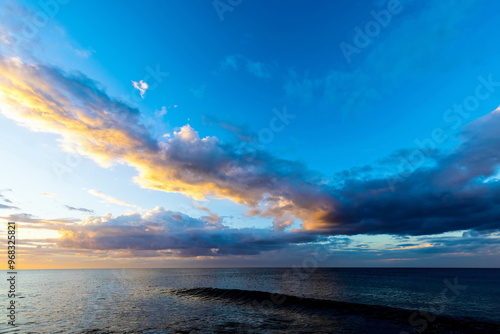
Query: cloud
point(4, 39)
point(78, 209)
point(3, 206)
point(161, 229)
point(204, 167)
point(198, 92)
point(168, 234)
point(141, 86)
point(231, 62)
point(445, 195)
point(49, 194)
point(162, 112)
point(212, 218)
point(35, 222)
point(241, 132)
point(402, 247)
point(486, 243)
point(255, 68)
point(84, 53)
point(6, 200)
point(48, 99)
point(109, 199)
point(3, 198)
point(258, 69)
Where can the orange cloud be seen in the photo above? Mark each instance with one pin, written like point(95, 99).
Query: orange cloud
point(424, 245)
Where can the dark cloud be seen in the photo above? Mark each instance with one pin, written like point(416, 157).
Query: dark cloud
point(456, 192)
point(483, 243)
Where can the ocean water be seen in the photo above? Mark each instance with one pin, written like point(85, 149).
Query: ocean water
point(320, 300)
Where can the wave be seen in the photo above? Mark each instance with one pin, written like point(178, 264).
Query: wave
point(415, 320)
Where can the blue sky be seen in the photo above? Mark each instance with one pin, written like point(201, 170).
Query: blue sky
point(248, 133)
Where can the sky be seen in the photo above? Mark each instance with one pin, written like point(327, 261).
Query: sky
point(237, 133)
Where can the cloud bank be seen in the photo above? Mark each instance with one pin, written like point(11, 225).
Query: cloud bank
point(161, 229)
point(455, 191)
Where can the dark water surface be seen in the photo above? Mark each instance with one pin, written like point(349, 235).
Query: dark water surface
point(323, 300)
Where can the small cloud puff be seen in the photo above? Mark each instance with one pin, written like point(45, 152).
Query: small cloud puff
point(141, 86)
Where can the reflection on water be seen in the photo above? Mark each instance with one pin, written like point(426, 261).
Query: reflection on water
point(143, 300)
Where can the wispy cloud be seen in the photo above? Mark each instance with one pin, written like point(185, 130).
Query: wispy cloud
point(84, 53)
point(241, 132)
point(164, 110)
point(6, 200)
point(255, 68)
point(404, 247)
point(3, 198)
point(198, 92)
point(212, 218)
point(4, 206)
point(72, 208)
point(258, 69)
point(41, 223)
point(230, 62)
point(109, 199)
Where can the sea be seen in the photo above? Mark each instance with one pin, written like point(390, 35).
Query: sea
point(256, 300)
